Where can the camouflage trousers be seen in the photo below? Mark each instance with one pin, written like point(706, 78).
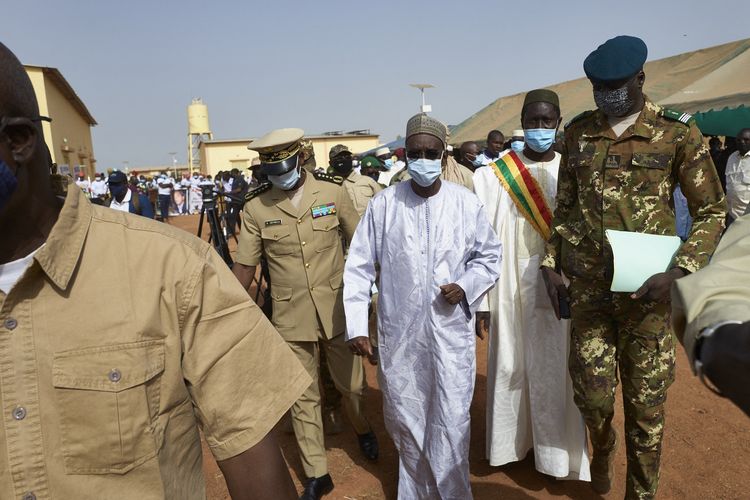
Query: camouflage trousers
point(611, 332)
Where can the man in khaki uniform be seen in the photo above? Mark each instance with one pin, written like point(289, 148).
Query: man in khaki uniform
point(108, 406)
point(361, 188)
point(296, 222)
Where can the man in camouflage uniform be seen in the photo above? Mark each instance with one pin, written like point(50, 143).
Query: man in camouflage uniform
point(619, 169)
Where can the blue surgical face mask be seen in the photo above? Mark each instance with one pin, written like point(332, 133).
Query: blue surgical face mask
point(388, 163)
point(424, 172)
point(8, 183)
point(517, 146)
point(285, 181)
point(477, 162)
point(539, 139)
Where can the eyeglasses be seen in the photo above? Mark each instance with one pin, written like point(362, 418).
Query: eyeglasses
point(429, 154)
point(10, 121)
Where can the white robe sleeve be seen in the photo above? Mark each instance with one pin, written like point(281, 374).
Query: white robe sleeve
point(359, 276)
point(483, 267)
point(482, 188)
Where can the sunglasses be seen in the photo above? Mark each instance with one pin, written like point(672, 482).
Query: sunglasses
point(13, 121)
point(429, 154)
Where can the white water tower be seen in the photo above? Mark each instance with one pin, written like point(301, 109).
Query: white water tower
point(198, 131)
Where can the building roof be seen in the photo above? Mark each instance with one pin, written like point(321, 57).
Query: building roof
point(713, 77)
point(248, 140)
point(65, 88)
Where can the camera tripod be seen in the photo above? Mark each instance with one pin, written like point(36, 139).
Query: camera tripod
point(217, 237)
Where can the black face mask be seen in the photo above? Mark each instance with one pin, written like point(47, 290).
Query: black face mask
point(343, 166)
point(118, 190)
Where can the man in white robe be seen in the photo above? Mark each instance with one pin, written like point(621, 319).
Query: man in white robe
point(529, 391)
point(437, 256)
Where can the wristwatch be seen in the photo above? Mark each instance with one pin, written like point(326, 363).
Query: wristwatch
point(699, 339)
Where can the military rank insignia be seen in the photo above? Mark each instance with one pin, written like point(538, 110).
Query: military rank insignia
point(323, 210)
point(613, 161)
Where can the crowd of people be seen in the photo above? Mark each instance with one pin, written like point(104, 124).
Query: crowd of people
point(165, 195)
point(401, 258)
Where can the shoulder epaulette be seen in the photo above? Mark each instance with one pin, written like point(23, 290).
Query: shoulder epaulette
point(679, 116)
point(578, 117)
point(322, 176)
point(259, 190)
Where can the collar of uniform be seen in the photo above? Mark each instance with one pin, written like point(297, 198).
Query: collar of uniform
point(60, 254)
point(644, 124)
point(647, 120)
point(281, 198)
point(353, 176)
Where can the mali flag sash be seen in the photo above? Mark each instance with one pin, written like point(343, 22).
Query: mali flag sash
point(524, 191)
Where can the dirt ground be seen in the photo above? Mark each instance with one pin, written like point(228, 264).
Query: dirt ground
point(706, 448)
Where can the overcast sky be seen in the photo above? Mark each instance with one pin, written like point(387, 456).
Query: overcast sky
point(327, 64)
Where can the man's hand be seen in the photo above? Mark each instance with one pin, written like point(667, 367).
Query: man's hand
point(452, 293)
point(555, 288)
point(726, 362)
point(483, 324)
point(657, 287)
point(361, 346)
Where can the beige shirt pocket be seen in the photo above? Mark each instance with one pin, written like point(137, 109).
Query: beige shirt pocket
point(326, 233)
point(108, 398)
point(283, 308)
point(277, 240)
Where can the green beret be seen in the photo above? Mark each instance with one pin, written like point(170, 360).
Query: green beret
point(542, 95)
point(616, 59)
point(371, 162)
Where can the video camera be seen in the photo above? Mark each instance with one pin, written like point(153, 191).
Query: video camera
point(208, 193)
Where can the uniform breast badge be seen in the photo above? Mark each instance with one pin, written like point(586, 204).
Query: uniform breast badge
point(613, 161)
point(323, 210)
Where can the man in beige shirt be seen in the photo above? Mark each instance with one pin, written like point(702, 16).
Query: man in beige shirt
point(361, 188)
point(711, 316)
point(109, 406)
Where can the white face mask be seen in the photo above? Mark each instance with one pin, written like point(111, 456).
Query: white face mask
point(424, 172)
point(285, 181)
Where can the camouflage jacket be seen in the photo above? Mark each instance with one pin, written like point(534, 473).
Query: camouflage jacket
point(627, 184)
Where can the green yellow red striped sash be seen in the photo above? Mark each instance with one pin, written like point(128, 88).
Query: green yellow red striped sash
point(524, 191)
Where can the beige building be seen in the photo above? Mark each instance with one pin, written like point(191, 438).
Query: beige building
point(226, 154)
point(69, 135)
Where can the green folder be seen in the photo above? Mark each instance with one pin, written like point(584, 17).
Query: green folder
point(638, 256)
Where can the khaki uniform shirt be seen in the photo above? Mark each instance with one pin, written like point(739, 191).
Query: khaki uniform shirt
point(361, 189)
point(122, 338)
point(304, 252)
point(626, 183)
point(719, 292)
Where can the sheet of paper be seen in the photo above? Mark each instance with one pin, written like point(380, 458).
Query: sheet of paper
point(639, 256)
